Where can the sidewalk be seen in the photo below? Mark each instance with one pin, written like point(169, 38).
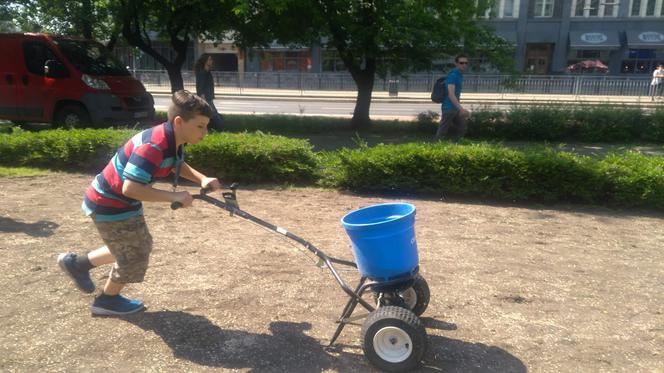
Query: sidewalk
point(424, 97)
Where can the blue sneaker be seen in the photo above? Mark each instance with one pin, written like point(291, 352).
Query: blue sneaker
point(115, 305)
point(67, 262)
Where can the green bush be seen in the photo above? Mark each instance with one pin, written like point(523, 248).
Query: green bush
point(608, 124)
point(248, 157)
point(633, 179)
point(654, 129)
point(254, 157)
point(551, 123)
point(81, 150)
point(484, 170)
point(496, 172)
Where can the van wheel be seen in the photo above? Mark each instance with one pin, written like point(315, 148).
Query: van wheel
point(72, 116)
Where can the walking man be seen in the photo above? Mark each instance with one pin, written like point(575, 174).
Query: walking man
point(454, 115)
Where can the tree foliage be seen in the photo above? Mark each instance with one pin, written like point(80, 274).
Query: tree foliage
point(376, 36)
point(176, 21)
point(92, 19)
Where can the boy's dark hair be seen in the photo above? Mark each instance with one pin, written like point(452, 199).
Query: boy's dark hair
point(462, 55)
point(187, 105)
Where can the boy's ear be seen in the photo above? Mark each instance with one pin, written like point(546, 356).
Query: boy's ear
point(177, 121)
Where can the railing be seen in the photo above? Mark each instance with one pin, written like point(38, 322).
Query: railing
point(532, 84)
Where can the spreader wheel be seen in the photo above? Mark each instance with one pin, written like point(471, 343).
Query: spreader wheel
point(393, 339)
point(415, 298)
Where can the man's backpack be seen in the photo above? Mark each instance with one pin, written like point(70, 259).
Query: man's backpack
point(439, 91)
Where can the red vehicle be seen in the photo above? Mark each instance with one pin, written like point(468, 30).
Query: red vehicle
point(68, 82)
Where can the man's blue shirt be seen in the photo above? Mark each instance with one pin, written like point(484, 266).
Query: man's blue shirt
point(454, 77)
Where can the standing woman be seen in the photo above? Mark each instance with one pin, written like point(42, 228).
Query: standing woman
point(205, 87)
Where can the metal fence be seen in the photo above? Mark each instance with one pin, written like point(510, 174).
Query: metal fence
point(531, 84)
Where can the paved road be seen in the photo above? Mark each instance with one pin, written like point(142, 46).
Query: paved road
point(406, 106)
point(310, 107)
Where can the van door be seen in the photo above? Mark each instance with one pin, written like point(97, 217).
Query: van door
point(35, 90)
point(9, 50)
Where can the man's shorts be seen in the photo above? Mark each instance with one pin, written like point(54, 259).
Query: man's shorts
point(130, 243)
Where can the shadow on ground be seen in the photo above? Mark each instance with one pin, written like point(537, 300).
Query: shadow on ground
point(288, 349)
point(41, 228)
point(197, 339)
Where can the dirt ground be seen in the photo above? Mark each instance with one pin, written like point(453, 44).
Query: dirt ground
point(513, 288)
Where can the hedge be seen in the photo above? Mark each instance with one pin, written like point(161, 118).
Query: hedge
point(496, 172)
point(241, 157)
point(563, 123)
point(486, 170)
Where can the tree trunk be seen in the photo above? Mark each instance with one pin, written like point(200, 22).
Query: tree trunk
point(135, 36)
point(175, 75)
point(86, 22)
point(364, 79)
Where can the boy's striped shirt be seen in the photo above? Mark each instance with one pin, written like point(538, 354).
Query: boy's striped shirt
point(148, 155)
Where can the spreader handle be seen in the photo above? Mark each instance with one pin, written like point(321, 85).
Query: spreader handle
point(176, 205)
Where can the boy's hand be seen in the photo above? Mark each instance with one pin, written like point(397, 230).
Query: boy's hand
point(184, 198)
point(211, 183)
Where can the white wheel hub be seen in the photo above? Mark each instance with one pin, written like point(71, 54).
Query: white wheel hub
point(392, 344)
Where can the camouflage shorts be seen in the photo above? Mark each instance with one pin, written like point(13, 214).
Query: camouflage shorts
point(130, 243)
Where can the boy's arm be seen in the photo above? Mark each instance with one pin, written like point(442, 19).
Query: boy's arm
point(146, 193)
point(192, 174)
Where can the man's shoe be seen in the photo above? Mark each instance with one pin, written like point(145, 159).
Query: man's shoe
point(67, 262)
point(115, 305)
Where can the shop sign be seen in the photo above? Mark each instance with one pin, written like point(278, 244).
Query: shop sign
point(594, 37)
point(651, 37)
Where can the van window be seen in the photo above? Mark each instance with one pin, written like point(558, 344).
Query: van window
point(36, 54)
point(90, 57)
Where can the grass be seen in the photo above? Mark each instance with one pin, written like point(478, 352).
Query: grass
point(23, 171)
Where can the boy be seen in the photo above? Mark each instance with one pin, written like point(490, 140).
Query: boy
point(113, 201)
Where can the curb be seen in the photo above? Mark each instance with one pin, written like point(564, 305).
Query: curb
point(468, 98)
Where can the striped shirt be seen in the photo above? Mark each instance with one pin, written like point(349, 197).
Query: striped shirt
point(148, 155)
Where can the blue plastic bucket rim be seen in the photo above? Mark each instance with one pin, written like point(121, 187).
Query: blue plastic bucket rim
point(411, 210)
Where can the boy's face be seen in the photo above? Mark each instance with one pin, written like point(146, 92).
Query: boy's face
point(194, 130)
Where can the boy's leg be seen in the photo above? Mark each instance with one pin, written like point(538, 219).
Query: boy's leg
point(100, 257)
point(77, 267)
point(129, 244)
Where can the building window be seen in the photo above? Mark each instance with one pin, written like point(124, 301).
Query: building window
point(503, 9)
point(647, 8)
point(595, 8)
point(641, 61)
point(543, 8)
point(285, 61)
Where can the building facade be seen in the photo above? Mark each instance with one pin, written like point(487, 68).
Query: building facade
point(626, 36)
point(616, 37)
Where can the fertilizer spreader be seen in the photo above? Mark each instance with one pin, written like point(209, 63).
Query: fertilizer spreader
point(385, 251)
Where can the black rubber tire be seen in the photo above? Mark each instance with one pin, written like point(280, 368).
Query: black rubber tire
point(394, 323)
point(419, 290)
point(423, 294)
point(72, 116)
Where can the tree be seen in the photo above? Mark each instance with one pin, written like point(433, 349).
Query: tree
point(139, 22)
point(177, 21)
point(375, 36)
point(87, 18)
